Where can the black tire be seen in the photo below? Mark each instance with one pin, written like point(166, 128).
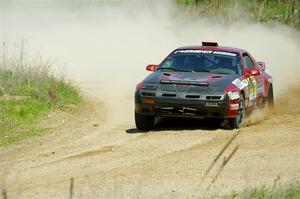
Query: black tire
point(144, 122)
point(238, 121)
point(270, 100)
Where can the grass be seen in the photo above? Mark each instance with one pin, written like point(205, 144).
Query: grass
point(264, 11)
point(292, 192)
point(28, 91)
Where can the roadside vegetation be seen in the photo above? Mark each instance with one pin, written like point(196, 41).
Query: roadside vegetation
point(292, 192)
point(263, 11)
point(28, 91)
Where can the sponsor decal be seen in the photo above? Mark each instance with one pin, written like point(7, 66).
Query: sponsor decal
point(233, 95)
point(252, 79)
point(207, 52)
point(259, 90)
point(165, 81)
point(245, 82)
point(252, 97)
point(253, 88)
point(188, 79)
point(193, 51)
point(240, 84)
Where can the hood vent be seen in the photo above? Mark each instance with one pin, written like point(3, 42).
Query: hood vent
point(217, 76)
point(184, 82)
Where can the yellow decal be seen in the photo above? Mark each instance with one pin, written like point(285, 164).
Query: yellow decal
point(253, 88)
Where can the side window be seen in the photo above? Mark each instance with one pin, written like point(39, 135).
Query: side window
point(248, 62)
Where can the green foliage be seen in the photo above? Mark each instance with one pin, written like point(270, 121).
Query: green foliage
point(16, 114)
point(36, 82)
point(67, 93)
point(184, 1)
point(28, 91)
point(265, 11)
point(292, 192)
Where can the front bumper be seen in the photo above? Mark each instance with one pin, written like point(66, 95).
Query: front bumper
point(182, 105)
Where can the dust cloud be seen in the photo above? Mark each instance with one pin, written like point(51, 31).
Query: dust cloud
point(105, 45)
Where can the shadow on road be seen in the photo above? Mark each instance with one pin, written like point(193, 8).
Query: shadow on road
point(180, 124)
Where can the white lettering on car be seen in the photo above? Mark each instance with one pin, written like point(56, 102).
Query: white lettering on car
point(207, 52)
point(193, 51)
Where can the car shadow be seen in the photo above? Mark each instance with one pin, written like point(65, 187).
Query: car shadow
point(180, 124)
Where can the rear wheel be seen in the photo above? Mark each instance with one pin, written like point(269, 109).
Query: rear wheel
point(238, 121)
point(144, 122)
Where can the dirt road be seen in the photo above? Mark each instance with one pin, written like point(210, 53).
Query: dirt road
point(106, 45)
point(110, 159)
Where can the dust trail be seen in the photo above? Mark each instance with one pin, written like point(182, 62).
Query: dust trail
point(106, 45)
point(286, 104)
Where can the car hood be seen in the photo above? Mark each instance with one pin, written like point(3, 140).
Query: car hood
point(189, 81)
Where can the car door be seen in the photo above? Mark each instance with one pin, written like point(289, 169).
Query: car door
point(255, 82)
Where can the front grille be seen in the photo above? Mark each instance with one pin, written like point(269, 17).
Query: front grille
point(148, 94)
point(179, 111)
point(168, 95)
point(193, 96)
point(217, 112)
point(213, 97)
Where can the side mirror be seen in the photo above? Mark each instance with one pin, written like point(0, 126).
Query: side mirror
point(261, 65)
point(253, 72)
point(151, 67)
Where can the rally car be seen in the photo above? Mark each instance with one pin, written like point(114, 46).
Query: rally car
point(205, 81)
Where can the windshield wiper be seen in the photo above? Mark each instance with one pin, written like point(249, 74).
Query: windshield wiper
point(176, 69)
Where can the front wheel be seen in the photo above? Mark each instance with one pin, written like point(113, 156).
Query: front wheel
point(144, 122)
point(238, 121)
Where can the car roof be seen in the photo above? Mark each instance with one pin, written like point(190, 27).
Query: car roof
point(213, 48)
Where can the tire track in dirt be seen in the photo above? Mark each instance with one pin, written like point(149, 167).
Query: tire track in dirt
point(107, 160)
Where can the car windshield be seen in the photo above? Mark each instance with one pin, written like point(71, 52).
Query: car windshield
point(218, 62)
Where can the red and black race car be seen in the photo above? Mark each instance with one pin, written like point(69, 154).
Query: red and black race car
point(207, 81)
